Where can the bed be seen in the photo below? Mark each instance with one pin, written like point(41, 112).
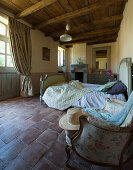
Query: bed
point(90, 98)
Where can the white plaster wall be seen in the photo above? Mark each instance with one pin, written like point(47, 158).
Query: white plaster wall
point(125, 36)
point(78, 51)
point(38, 41)
point(69, 58)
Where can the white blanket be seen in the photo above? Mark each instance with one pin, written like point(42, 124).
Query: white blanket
point(94, 98)
point(63, 96)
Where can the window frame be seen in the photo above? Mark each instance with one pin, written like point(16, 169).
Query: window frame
point(5, 38)
point(59, 51)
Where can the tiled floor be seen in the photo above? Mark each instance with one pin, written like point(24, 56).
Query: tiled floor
point(30, 138)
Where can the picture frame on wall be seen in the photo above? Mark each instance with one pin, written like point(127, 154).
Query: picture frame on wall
point(45, 54)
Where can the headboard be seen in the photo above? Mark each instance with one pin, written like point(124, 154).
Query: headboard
point(125, 73)
point(49, 80)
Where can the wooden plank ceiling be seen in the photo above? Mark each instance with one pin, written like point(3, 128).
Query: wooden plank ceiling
point(91, 21)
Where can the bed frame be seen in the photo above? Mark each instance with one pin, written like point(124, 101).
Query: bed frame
point(49, 80)
point(125, 73)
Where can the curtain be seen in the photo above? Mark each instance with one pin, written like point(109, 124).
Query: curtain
point(21, 53)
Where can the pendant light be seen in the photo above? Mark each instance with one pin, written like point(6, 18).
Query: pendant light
point(66, 37)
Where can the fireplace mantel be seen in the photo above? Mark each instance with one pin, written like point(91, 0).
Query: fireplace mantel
point(79, 68)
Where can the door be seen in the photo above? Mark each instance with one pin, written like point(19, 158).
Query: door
point(9, 78)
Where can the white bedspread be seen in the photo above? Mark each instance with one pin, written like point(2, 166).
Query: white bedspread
point(95, 99)
point(64, 95)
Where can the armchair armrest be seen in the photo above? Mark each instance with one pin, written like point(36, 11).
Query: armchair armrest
point(102, 124)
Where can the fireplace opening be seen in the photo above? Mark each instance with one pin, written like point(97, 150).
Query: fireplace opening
point(79, 76)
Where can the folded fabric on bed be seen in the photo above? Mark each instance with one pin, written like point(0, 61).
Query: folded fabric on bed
point(63, 96)
point(117, 118)
point(118, 88)
point(105, 87)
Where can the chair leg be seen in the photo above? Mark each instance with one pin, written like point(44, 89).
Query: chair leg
point(68, 153)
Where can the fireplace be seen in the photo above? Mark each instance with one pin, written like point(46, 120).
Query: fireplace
point(79, 76)
point(79, 72)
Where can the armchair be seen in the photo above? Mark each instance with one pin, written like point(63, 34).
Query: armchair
point(101, 142)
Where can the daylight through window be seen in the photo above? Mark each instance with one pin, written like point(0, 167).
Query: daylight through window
point(5, 54)
point(61, 57)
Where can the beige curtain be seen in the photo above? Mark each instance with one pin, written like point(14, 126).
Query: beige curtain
point(21, 52)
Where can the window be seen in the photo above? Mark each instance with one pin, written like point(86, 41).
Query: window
point(61, 57)
point(5, 54)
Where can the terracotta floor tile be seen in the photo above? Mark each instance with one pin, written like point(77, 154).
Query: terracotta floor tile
point(45, 164)
point(4, 127)
point(24, 125)
point(56, 127)
point(62, 137)
point(38, 117)
point(11, 150)
point(95, 167)
point(24, 116)
point(46, 111)
point(29, 135)
point(57, 154)
point(18, 164)
point(2, 120)
point(33, 153)
point(52, 117)
point(9, 135)
point(48, 137)
point(2, 166)
point(1, 144)
point(78, 163)
point(42, 125)
point(34, 138)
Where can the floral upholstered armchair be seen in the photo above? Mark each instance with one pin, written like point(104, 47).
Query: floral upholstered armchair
point(102, 142)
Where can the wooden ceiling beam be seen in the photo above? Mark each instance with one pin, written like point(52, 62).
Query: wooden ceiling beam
point(35, 7)
point(79, 12)
point(102, 41)
point(88, 25)
point(93, 39)
point(95, 33)
point(109, 40)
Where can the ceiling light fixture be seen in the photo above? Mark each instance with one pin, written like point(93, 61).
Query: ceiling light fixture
point(66, 37)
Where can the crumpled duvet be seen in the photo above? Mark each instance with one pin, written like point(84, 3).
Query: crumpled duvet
point(64, 95)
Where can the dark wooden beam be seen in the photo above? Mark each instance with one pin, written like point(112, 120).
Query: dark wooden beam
point(92, 40)
point(102, 41)
point(79, 12)
point(105, 31)
point(68, 46)
point(91, 34)
point(35, 7)
point(87, 25)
